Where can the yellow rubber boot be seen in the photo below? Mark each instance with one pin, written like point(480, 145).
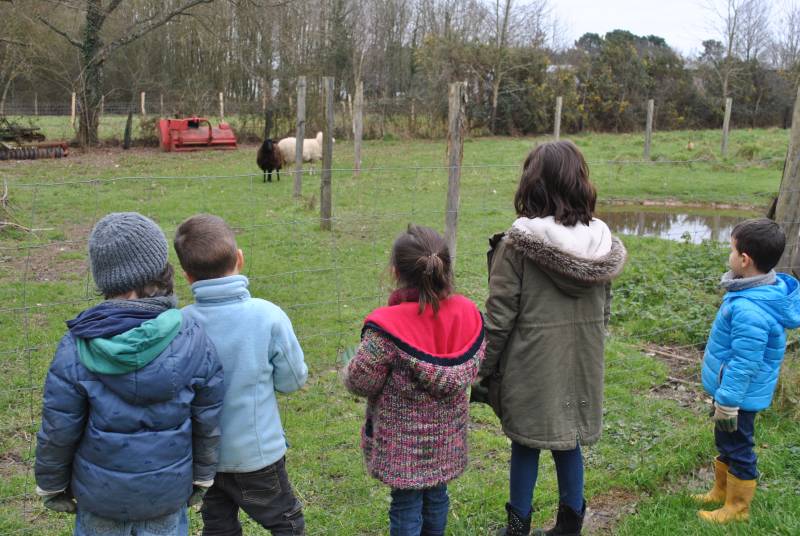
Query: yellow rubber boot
point(737, 502)
point(717, 493)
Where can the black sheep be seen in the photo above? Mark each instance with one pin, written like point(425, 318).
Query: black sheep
point(269, 159)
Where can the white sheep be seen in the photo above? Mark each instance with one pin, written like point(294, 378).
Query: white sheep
point(312, 148)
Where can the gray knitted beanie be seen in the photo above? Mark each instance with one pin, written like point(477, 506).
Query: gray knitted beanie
point(127, 251)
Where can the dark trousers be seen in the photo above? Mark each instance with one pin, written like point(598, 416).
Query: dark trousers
point(265, 495)
point(416, 512)
point(524, 472)
point(736, 448)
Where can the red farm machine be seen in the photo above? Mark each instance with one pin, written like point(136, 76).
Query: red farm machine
point(27, 143)
point(194, 134)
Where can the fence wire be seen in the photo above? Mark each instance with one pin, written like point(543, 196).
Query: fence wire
point(326, 282)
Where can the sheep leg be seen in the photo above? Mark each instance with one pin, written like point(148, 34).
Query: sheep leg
point(269, 176)
point(265, 175)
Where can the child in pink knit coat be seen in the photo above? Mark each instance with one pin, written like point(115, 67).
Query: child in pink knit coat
point(416, 360)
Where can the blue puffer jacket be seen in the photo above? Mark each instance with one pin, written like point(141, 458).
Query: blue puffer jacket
point(130, 445)
point(747, 342)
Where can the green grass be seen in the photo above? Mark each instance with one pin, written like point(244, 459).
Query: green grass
point(615, 162)
point(328, 281)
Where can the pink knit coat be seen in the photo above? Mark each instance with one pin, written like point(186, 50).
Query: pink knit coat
point(415, 434)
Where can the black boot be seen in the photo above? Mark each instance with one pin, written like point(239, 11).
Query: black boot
point(517, 526)
point(568, 522)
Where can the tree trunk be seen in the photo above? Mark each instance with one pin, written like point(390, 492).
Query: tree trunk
point(90, 83)
point(495, 95)
point(4, 96)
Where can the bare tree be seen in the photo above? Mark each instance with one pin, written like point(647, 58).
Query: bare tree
point(754, 36)
point(94, 50)
point(727, 23)
point(788, 42)
point(512, 25)
point(14, 51)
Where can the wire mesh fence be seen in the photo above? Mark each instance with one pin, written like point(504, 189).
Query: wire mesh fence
point(327, 282)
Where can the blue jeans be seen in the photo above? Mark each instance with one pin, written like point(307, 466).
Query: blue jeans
point(736, 448)
point(525, 470)
point(88, 524)
point(416, 512)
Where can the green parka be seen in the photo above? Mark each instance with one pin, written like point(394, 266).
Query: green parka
point(545, 328)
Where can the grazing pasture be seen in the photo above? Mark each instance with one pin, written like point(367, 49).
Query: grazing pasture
point(657, 444)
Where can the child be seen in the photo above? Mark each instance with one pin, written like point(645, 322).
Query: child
point(260, 355)
point(548, 308)
point(132, 400)
point(416, 359)
point(743, 359)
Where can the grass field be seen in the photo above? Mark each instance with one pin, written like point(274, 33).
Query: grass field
point(657, 443)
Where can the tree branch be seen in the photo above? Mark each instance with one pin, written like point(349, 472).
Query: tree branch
point(139, 29)
point(13, 42)
point(114, 4)
point(62, 33)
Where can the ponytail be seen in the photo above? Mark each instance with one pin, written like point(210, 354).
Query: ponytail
point(432, 282)
point(422, 261)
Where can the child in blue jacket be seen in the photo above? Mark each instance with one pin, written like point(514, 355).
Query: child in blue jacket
point(743, 359)
point(260, 355)
point(132, 401)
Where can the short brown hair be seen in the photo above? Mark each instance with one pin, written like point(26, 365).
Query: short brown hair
point(555, 182)
point(206, 247)
point(421, 260)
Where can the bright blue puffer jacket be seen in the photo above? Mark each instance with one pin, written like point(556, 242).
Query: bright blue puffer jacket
point(129, 445)
point(748, 339)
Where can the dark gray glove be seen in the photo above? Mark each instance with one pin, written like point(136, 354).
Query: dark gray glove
point(479, 392)
point(60, 502)
point(198, 492)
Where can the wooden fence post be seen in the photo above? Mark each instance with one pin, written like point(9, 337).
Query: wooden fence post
point(358, 127)
point(648, 132)
point(299, 135)
point(726, 123)
point(142, 98)
point(325, 206)
point(73, 110)
point(456, 129)
point(102, 106)
point(126, 139)
point(221, 107)
point(35, 104)
point(557, 122)
point(413, 120)
point(787, 209)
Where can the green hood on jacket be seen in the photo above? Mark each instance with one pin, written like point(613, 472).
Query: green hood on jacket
point(133, 349)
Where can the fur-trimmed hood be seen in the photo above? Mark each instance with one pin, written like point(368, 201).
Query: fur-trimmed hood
point(598, 264)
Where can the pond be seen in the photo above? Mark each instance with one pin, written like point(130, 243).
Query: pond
point(673, 223)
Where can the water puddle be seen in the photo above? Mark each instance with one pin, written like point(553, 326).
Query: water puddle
point(672, 223)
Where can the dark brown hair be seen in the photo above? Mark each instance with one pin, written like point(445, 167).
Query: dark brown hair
point(555, 182)
point(162, 285)
point(421, 261)
point(206, 247)
point(763, 240)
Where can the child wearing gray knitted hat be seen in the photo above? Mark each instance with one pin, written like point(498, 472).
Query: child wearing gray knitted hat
point(128, 251)
point(130, 423)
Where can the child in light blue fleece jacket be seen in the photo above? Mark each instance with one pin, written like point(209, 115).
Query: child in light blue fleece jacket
point(260, 354)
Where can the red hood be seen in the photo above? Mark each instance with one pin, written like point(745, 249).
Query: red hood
point(450, 337)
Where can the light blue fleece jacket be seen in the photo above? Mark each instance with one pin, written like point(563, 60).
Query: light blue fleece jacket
point(260, 354)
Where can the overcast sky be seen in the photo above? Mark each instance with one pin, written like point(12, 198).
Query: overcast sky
point(685, 24)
